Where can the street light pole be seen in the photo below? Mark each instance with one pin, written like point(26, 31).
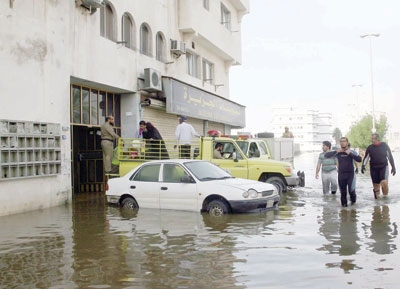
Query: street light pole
point(372, 76)
point(357, 106)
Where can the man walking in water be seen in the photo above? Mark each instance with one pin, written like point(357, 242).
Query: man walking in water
point(346, 174)
point(328, 171)
point(378, 154)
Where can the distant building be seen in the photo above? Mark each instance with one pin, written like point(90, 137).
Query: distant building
point(393, 139)
point(309, 127)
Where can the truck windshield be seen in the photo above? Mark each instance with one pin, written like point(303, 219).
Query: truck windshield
point(206, 171)
point(244, 146)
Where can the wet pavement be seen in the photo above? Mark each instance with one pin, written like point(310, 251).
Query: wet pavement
point(310, 242)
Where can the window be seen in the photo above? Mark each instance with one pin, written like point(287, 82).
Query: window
point(206, 4)
point(173, 173)
point(254, 151)
point(94, 107)
point(160, 47)
point(107, 26)
point(147, 173)
point(128, 31)
point(85, 106)
point(91, 106)
point(263, 148)
point(225, 17)
point(145, 40)
point(208, 71)
point(192, 64)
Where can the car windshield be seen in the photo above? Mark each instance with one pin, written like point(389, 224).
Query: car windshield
point(205, 171)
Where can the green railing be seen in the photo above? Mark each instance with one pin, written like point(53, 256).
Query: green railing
point(145, 149)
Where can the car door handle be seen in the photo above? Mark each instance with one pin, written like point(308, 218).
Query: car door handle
point(133, 187)
point(164, 188)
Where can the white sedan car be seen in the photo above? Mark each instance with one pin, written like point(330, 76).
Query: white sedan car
point(189, 185)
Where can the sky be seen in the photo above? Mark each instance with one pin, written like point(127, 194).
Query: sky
point(309, 54)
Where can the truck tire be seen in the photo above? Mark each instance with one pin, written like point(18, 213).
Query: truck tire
point(278, 183)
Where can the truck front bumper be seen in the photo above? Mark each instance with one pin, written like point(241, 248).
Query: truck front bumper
point(296, 180)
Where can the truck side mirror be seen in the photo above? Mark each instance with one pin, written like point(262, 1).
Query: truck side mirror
point(234, 156)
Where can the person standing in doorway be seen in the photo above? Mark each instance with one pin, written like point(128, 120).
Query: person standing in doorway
point(184, 134)
point(378, 154)
point(108, 136)
point(287, 133)
point(346, 170)
point(329, 170)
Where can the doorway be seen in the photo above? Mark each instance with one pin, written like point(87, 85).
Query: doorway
point(89, 107)
point(87, 161)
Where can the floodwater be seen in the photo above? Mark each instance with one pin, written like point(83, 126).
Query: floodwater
point(310, 242)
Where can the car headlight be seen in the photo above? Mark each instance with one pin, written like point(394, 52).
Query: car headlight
point(251, 193)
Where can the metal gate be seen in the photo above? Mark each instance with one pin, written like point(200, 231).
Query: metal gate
point(87, 161)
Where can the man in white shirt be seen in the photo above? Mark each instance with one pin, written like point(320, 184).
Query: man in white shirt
point(184, 133)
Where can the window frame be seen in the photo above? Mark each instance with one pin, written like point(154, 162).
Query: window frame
point(192, 64)
point(208, 71)
point(98, 105)
point(107, 22)
point(145, 40)
point(206, 4)
point(127, 23)
point(225, 17)
point(161, 47)
point(138, 174)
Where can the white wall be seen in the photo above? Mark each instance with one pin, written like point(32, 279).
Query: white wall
point(35, 87)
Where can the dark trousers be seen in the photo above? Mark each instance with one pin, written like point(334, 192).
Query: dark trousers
point(347, 182)
point(184, 151)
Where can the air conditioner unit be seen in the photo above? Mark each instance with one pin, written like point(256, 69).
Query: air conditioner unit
point(152, 80)
point(91, 4)
point(178, 47)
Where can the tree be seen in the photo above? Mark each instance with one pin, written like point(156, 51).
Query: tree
point(337, 134)
point(360, 133)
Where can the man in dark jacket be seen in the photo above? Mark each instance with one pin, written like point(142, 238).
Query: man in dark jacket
point(346, 173)
point(155, 145)
point(378, 154)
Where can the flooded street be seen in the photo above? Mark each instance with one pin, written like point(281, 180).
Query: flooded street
point(310, 242)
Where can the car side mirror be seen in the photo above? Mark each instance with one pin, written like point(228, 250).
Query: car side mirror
point(187, 179)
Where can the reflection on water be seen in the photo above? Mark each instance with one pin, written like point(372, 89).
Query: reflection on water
point(339, 227)
point(310, 242)
point(382, 231)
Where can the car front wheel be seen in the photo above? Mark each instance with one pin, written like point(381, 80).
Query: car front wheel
point(129, 203)
point(217, 208)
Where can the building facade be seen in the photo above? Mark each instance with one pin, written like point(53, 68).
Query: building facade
point(66, 65)
point(309, 127)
